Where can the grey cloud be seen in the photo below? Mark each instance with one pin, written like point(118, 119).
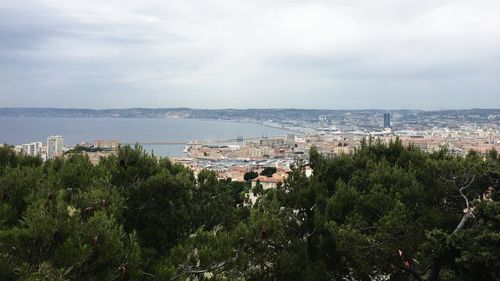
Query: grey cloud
point(24, 24)
point(363, 68)
point(200, 53)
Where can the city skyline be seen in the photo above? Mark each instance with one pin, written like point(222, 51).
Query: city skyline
point(427, 55)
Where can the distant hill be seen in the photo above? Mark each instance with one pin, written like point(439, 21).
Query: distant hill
point(276, 115)
point(264, 114)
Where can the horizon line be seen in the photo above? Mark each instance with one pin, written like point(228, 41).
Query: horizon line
point(249, 108)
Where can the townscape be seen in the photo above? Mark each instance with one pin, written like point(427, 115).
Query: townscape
point(334, 134)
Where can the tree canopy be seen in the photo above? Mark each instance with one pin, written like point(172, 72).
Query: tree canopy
point(388, 212)
point(268, 171)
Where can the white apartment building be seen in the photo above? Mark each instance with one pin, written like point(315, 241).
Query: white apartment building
point(32, 149)
point(55, 145)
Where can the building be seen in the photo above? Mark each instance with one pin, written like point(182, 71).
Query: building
point(25, 148)
point(35, 148)
point(265, 151)
point(55, 146)
point(266, 183)
point(387, 120)
point(272, 142)
point(107, 144)
point(32, 149)
point(290, 140)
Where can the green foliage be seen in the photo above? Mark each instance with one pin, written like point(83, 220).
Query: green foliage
point(135, 217)
point(250, 175)
point(80, 148)
point(268, 171)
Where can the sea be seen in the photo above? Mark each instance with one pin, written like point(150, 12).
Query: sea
point(146, 131)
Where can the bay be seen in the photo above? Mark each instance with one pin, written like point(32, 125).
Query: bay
point(18, 130)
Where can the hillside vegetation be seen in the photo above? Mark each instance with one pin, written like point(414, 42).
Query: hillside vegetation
point(386, 213)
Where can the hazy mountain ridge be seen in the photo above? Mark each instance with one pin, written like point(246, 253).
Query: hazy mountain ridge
point(224, 114)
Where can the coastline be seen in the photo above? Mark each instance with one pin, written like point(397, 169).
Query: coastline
point(145, 131)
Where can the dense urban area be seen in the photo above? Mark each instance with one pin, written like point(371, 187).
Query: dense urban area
point(331, 132)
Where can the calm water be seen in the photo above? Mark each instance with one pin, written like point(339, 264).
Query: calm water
point(18, 130)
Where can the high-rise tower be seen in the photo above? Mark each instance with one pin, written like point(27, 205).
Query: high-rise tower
point(387, 120)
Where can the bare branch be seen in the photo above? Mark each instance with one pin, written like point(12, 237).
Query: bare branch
point(189, 270)
point(465, 183)
point(469, 212)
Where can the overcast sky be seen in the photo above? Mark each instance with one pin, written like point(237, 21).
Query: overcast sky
point(337, 54)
